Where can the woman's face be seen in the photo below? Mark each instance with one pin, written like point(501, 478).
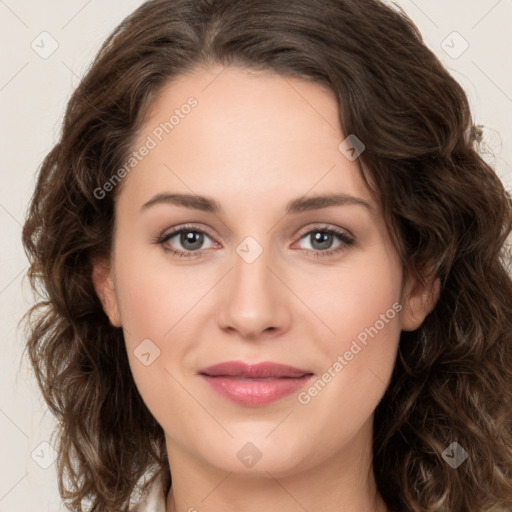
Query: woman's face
point(263, 271)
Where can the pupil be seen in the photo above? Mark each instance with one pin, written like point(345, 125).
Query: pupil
point(326, 237)
point(188, 238)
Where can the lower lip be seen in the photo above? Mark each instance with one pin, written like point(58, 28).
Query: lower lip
point(254, 392)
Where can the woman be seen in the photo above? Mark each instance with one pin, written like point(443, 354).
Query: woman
point(335, 334)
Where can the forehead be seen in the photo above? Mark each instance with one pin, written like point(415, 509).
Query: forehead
point(250, 132)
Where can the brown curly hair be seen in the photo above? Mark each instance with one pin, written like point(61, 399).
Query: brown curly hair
point(447, 211)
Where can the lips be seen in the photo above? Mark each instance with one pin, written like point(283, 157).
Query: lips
point(253, 371)
point(254, 384)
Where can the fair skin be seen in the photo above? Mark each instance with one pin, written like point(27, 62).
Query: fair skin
point(254, 143)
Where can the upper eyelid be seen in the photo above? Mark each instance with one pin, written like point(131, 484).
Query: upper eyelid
point(326, 227)
point(175, 231)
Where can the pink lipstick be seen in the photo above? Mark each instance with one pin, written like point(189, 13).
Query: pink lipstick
point(254, 384)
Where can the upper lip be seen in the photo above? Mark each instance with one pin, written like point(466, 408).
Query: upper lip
point(254, 370)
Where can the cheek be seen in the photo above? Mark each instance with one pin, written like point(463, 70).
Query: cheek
point(159, 305)
point(155, 303)
point(154, 296)
point(356, 297)
point(362, 310)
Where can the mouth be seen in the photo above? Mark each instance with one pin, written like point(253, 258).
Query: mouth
point(254, 384)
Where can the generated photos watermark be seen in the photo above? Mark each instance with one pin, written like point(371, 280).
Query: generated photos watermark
point(357, 345)
point(151, 142)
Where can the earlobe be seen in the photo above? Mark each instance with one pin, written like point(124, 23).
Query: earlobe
point(103, 282)
point(418, 301)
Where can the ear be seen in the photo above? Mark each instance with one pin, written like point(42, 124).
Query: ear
point(418, 300)
point(102, 278)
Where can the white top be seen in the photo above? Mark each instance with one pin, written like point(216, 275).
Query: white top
point(154, 501)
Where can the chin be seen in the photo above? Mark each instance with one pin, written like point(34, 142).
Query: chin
point(257, 456)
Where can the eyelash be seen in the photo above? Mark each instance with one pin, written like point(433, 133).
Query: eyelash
point(346, 240)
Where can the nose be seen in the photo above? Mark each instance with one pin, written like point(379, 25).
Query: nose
point(255, 302)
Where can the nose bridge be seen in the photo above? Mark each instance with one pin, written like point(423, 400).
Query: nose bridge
point(254, 302)
point(251, 276)
point(251, 266)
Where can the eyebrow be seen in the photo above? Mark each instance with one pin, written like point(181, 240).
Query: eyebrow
point(295, 206)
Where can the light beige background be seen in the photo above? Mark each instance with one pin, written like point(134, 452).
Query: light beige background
point(33, 95)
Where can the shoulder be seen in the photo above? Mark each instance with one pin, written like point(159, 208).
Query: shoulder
point(153, 500)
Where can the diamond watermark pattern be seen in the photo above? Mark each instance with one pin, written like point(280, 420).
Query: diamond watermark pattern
point(147, 352)
point(249, 455)
point(249, 249)
point(454, 45)
point(454, 455)
point(351, 147)
point(44, 45)
point(44, 455)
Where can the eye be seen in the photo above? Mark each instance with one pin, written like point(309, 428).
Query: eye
point(321, 241)
point(186, 241)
